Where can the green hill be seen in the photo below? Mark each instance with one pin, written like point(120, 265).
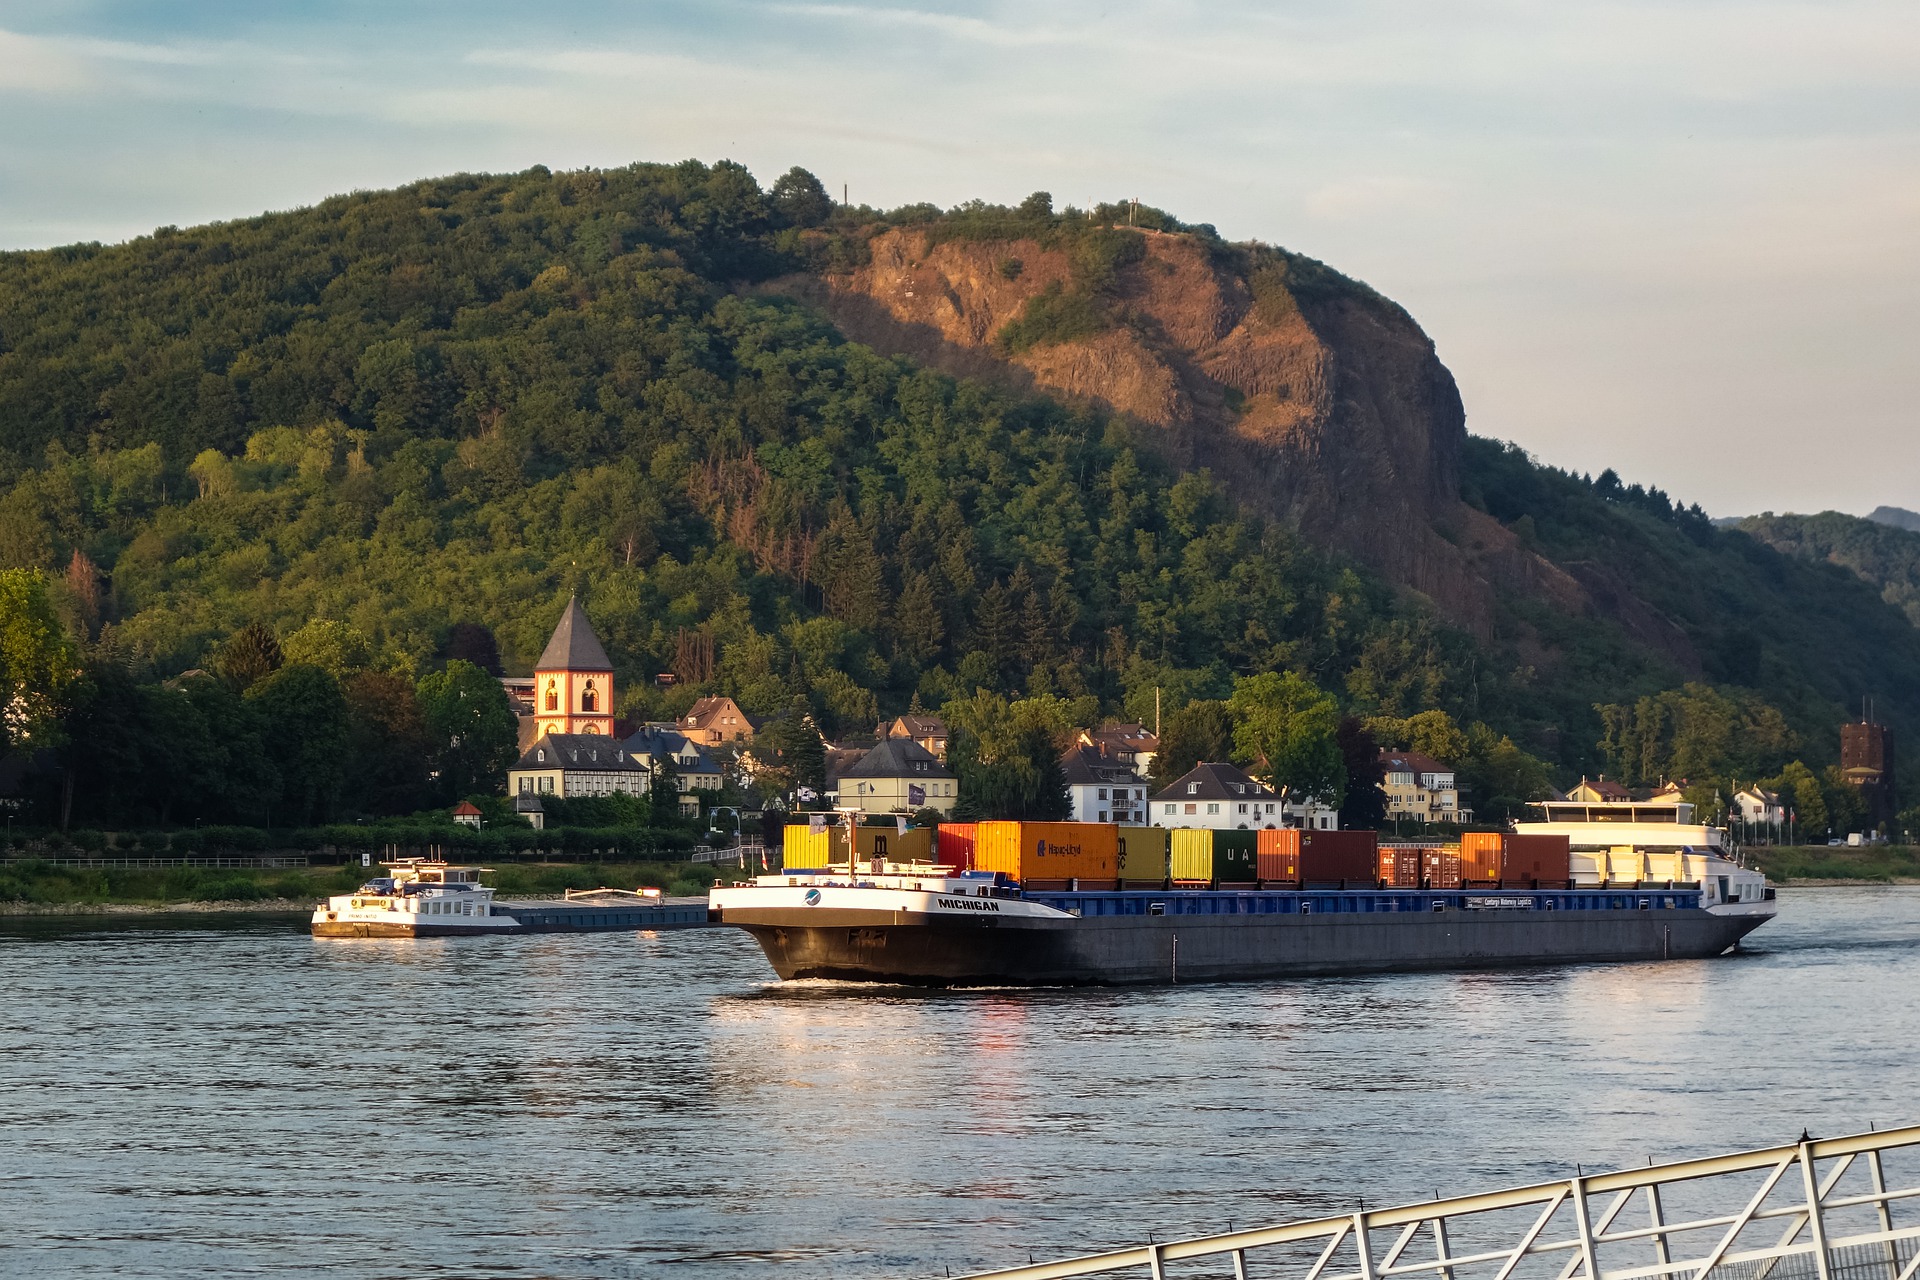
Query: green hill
point(459, 401)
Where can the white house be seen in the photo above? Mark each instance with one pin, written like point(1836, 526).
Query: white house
point(1758, 807)
point(1101, 787)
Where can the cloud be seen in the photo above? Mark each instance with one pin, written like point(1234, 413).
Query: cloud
point(30, 64)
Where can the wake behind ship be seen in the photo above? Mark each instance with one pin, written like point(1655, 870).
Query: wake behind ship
point(1632, 891)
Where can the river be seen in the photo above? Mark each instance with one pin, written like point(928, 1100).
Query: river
point(230, 1097)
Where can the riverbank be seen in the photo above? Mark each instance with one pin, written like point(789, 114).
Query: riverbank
point(1810, 865)
point(39, 888)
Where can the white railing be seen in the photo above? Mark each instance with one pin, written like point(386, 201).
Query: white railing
point(1812, 1210)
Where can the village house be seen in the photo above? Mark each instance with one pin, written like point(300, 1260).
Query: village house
point(1599, 791)
point(1420, 788)
point(1224, 797)
point(712, 722)
point(929, 732)
point(1132, 745)
point(569, 765)
point(1101, 788)
point(663, 746)
point(466, 815)
point(1755, 806)
point(897, 776)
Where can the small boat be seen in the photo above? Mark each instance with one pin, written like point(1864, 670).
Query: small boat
point(417, 898)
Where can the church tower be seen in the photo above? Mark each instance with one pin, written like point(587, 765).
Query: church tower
point(573, 681)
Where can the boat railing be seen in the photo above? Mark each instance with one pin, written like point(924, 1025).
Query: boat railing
point(643, 895)
point(1828, 1209)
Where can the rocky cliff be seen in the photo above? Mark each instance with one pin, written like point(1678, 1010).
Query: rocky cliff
point(1312, 398)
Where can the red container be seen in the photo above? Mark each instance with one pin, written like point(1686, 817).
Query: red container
point(1440, 868)
point(1515, 861)
point(1339, 859)
point(953, 845)
point(1400, 868)
point(1277, 855)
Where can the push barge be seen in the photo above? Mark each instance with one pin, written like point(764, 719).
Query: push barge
point(425, 898)
point(1675, 896)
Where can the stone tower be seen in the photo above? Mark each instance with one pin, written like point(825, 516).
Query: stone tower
point(573, 681)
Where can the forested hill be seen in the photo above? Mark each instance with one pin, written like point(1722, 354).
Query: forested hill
point(458, 401)
point(1877, 550)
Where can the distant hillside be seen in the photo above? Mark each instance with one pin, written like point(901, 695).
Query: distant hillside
point(1878, 550)
point(1898, 517)
point(869, 455)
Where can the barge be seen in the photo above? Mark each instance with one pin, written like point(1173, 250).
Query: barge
point(426, 898)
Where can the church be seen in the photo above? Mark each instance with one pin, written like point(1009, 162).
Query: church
point(573, 681)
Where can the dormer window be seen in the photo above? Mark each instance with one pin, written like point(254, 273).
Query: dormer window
point(1193, 788)
point(542, 756)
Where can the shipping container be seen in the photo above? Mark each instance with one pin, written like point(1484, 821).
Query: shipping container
point(805, 849)
point(1510, 861)
point(953, 847)
point(890, 843)
point(1048, 851)
point(1236, 857)
point(1400, 867)
point(1190, 856)
point(1440, 868)
point(1339, 859)
point(1143, 855)
point(1278, 855)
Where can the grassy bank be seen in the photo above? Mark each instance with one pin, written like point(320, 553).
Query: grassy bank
point(1885, 864)
point(40, 885)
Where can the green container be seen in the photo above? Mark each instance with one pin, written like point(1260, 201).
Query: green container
point(1236, 857)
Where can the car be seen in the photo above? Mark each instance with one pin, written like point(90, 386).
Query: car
point(1833, 844)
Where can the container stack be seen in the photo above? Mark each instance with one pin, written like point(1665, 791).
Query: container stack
point(953, 846)
point(1050, 855)
point(1498, 859)
point(804, 849)
point(1143, 857)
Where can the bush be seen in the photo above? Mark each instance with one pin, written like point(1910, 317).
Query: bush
point(1052, 316)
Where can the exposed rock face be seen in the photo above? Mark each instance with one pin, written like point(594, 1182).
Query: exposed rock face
point(1331, 411)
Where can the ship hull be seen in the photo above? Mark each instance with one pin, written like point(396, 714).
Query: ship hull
point(929, 950)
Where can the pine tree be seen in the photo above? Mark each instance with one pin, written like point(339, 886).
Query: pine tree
point(917, 622)
point(250, 654)
point(994, 628)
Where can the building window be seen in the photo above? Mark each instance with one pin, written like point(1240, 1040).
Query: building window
point(1192, 808)
point(1193, 788)
point(1243, 809)
point(1103, 815)
point(553, 697)
point(1213, 808)
point(589, 700)
point(1103, 796)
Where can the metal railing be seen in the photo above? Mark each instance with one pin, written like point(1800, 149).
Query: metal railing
point(1812, 1210)
point(270, 861)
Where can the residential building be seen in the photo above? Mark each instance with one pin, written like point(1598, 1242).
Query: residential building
point(663, 746)
point(898, 776)
point(838, 760)
point(569, 765)
point(1599, 791)
point(573, 681)
point(1101, 788)
point(1420, 788)
point(466, 815)
point(1218, 796)
point(929, 732)
point(1132, 745)
point(1755, 806)
point(713, 721)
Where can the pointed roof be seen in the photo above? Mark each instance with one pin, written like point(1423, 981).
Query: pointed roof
point(574, 647)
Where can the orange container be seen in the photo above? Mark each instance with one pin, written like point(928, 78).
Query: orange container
point(1440, 868)
point(1342, 858)
point(1515, 861)
point(953, 845)
point(1400, 868)
point(1048, 851)
point(1278, 855)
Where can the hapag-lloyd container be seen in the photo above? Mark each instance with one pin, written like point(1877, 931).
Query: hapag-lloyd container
point(1339, 859)
point(1143, 855)
point(953, 846)
point(1048, 854)
point(1511, 861)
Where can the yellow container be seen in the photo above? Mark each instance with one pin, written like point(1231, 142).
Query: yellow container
point(1143, 854)
point(1192, 850)
point(805, 849)
point(887, 842)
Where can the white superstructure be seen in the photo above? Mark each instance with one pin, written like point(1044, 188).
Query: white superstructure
point(1633, 842)
point(418, 898)
point(886, 892)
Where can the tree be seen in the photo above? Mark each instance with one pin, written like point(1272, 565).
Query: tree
point(1007, 755)
point(37, 663)
point(800, 198)
point(387, 744)
point(1283, 718)
point(1498, 777)
point(250, 654)
point(1200, 731)
point(331, 645)
point(472, 642)
point(917, 622)
point(795, 738)
point(306, 737)
point(1364, 804)
point(1846, 811)
point(472, 734)
point(1800, 791)
point(994, 629)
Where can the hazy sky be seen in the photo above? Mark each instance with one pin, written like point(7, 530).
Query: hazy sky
point(1680, 238)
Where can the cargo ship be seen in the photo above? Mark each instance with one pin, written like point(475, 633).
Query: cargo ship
point(1078, 903)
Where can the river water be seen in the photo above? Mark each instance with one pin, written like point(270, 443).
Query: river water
point(230, 1097)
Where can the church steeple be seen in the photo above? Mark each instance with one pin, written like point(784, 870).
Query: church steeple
point(573, 681)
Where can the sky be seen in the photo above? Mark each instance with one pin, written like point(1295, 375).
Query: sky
point(1680, 239)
